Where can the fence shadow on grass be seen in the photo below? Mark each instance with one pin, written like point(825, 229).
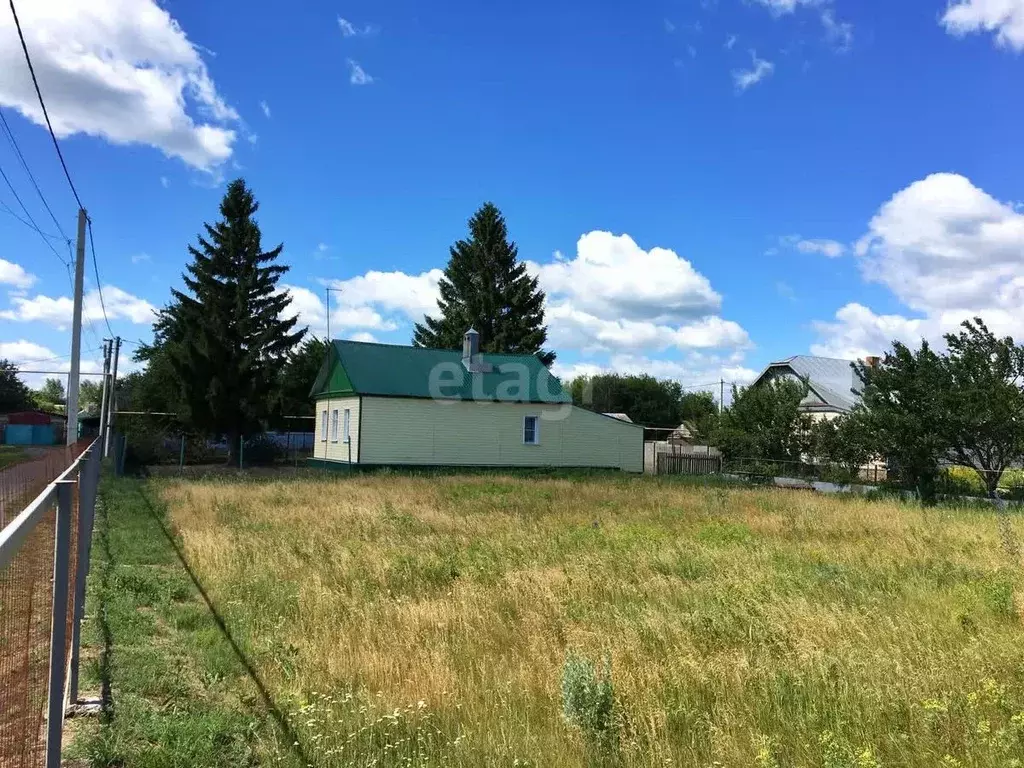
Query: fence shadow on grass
point(106, 653)
point(271, 706)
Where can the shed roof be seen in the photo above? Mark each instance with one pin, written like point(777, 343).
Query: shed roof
point(619, 416)
point(391, 370)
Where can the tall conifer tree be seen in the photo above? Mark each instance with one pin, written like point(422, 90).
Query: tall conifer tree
point(486, 287)
point(225, 337)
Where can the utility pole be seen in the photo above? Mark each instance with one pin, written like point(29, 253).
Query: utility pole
point(107, 343)
point(112, 397)
point(721, 396)
point(325, 425)
point(71, 409)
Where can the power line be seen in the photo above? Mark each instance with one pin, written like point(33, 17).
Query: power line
point(96, 270)
point(92, 329)
point(20, 363)
point(28, 171)
point(31, 223)
point(10, 211)
point(43, 360)
point(42, 104)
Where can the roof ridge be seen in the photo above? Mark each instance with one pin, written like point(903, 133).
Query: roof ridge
point(378, 344)
point(825, 357)
point(428, 349)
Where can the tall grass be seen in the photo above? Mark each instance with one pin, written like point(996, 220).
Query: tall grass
point(428, 620)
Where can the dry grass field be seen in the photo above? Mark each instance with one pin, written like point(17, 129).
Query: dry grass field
point(401, 620)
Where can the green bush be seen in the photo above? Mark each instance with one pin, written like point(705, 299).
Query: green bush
point(588, 701)
point(1011, 485)
point(960, 481)
point(262, 450)
point(146, 449)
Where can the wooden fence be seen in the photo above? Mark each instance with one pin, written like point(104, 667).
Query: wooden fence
point(688, 464)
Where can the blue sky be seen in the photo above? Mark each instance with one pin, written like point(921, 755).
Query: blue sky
point(702, 187)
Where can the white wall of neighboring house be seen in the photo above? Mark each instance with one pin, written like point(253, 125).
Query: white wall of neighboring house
point(327, 444)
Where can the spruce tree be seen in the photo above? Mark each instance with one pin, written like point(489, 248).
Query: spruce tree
point(225, 337)
point(486, 287)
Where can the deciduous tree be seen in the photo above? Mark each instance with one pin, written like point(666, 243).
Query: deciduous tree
point(643, 398)
point(905, 407)
point(50, 396)
point(985, 405)
point(765, 422)
point(700, 411)
point(14, 394)
point(90, 393)
point(846, 441)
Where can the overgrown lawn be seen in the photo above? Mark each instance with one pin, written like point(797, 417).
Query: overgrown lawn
point(477, 620)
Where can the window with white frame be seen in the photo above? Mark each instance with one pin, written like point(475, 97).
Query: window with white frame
point(531, 430)
point(348, 424)
point(323, 426)
point(334, 425)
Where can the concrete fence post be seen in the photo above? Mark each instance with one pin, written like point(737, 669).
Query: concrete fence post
point(58, 624)
point(88, 487)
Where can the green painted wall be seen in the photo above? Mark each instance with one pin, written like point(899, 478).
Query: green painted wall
point(434, 432)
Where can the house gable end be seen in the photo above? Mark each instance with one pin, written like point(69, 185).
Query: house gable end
point(333, 379)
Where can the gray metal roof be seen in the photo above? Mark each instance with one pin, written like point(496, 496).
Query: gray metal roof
point(620, 416)
point(833, 380)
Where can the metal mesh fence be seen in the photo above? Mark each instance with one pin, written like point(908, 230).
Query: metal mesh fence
point(26, 610)
point(26, 592)
point(150, 443)
point(22, 482)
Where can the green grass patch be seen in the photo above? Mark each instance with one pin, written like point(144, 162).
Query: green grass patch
point(11, 455)
point(178, 693)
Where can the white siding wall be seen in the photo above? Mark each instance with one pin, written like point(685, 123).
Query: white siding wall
point(337, 450)
point(420, 431)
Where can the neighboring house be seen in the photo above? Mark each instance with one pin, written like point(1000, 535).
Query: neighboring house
point(684, 434)
point(834, 388)
point(619, 416)
point(383, 404)
point(33, 427)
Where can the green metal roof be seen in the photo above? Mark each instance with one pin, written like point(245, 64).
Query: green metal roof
point(390, 370)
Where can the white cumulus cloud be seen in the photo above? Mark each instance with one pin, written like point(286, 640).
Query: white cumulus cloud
point(1004, 18)
point(121, 70)
point(15, 274)
point(612, 298)
point(311, 310)
point(612, 276)
point(32, 356)
point(375, 301)
point(57, 311)
point(412, 296)
point(948, 251)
